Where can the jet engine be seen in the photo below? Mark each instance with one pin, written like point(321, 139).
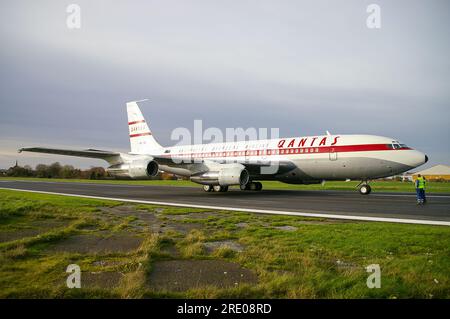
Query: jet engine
point(135, 169)
point(234, 174)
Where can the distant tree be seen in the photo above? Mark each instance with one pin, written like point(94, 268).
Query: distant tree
point(18, 171)
point(55, 170)
point(29, 169)
point(77, 173)
point(68, 171)
point(42, 171)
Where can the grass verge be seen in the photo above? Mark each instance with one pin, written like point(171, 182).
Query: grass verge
point(290, 257)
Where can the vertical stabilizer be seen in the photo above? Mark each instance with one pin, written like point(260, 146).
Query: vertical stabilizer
point(141, 138)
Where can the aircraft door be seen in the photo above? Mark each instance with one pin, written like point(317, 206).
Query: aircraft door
point(333, 154)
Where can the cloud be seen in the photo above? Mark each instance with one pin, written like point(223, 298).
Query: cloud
point(304, 67)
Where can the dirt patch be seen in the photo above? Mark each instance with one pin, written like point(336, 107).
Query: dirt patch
point(117, 210)
point(95, 244)
point(183, 228)
point(324, 221)
point(6, 236)
point(242, 225)
point(108, 279)
point(170, 250)
point(49, 224)
point(126, 211)
point(38, 227)
point(109, 263)
point(148, 221)
point(213, 245)
point(182, 275)
point(199, 216)
point(341, 264)
point(286, 228)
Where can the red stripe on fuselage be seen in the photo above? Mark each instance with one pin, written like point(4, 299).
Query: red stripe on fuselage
point(294, 151)
point(140, 134)
point(136, 122)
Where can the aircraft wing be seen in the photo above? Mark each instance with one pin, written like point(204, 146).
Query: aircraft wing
point(114, 158)
point(105, 155)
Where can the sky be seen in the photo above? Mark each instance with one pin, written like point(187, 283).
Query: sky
point(301, 66)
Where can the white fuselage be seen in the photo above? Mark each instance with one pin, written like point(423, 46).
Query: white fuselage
point(303, 159)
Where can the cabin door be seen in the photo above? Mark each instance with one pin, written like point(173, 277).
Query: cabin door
point(333, 154)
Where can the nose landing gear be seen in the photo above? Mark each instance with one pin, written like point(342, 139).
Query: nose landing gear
point(364, 188)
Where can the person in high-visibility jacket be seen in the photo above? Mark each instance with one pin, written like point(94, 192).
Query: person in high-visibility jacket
point(420, 189)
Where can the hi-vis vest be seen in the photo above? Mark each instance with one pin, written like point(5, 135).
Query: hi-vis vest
point(420, 183)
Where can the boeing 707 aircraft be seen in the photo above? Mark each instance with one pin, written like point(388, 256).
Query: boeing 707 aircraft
point(294, 160)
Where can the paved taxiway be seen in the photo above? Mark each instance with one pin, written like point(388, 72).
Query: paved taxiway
point(334, 204)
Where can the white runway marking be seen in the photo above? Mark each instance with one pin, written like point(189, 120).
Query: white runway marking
point(249, 210)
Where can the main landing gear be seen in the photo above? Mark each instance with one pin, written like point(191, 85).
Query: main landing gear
point(215, 188)
point(252, 186)
point(364, 188)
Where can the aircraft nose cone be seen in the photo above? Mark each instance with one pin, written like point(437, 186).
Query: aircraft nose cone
point(415, 159)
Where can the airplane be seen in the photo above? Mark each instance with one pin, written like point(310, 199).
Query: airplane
point(295, 160)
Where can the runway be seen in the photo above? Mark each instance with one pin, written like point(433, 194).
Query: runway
point(390, 207)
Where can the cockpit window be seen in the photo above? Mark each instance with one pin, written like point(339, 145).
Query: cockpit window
point(397, 145)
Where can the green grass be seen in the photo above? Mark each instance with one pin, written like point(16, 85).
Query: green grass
point(318, 258)
point(377, 186)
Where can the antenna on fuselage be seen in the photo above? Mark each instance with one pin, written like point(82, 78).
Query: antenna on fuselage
point(328, 133)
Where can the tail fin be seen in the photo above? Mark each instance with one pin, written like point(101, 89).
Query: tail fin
point(141, 138)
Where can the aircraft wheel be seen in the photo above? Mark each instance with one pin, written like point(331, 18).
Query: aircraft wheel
point(244, 187)
point(365, 189)
point(218, 188)
point(207, 188)
point(258, 186)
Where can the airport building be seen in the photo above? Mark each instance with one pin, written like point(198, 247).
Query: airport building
point(436, 173)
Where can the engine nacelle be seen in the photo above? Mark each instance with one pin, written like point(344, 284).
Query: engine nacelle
point(135, 169)
point(226, 176)
point(233, 176)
